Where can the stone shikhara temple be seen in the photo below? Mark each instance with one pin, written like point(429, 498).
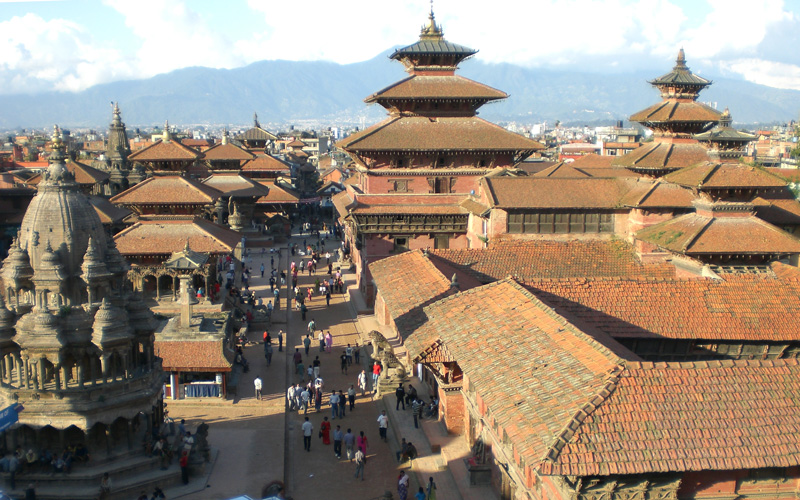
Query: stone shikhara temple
point(76, 341)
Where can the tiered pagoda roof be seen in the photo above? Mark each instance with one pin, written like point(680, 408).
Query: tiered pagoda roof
point(168, 190)
point(432, 52)
point(725, 140)
point(674, 121)
point(165, 237)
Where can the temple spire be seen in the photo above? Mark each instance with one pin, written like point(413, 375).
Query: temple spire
point(255, 120)
point(167, 136)
point(432, 30)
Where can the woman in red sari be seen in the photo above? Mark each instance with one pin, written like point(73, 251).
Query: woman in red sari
point(325, 430)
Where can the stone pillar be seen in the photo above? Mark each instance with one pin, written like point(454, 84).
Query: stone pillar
point(79, 371)
point(42, 373)
point(104, 367)
point(57, 377)
point(175, 288)
point(126, 365)
point(208, 291)
point(187, 300)
point(9, 368)
point(23, 373)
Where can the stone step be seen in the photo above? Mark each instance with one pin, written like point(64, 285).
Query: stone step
point(91, 472)
point(123, 488)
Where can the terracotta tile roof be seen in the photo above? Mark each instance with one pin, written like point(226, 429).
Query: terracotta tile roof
point(407, 204)
point(672, 417)
point(437, 87)
point(195, 143)
point(192, 355)
point(228, 152)
point(533, 167)
point(278, 193)
point(236, 185)
point(408, 282)
point(698, 234)
point(781, 210)
point(562, 170)
point(671, 110)
point(790, 174)
point(556, 193)
point(714, 175)
point(162, 151)
point(660, 155)
point(342, 202)
point(265, 163)
point(108, 212)
point(474, 207)
point(167, 190)
point(657, 194)
point(542, 370)
point(296, 143)
point(593, 160)
point(737, 307)
point(548, 259)
point(163, 237)
point(417, 133)
point(84, 174)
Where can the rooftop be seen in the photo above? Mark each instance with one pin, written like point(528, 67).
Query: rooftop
point(164, 237)
point(168, 190)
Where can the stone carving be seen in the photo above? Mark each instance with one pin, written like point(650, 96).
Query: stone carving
point(393, 370)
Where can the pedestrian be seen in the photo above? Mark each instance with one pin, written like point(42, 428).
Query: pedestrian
point(305, 399)
point(280, 341)
point(312, 326)
point(290, 396)
point(296, 357)
point(402, 485)
point(411, 394)
point(329, 342)
point(349, 444)
point(316, 364)
point(257, 384)
point(400, 394)
point(268, 353)
point(303, 310)
point(321, 339)
point(325, 431)
point(342, 404)
point(351, 397)
point(327, 296)
point(376, 373)
point(361, 461)
point(361, 442)
point(338, 435)
point(357, 353)
point(416, 409)
point(30, 492)
point(362, 382)
point(308, 427)
point(262, 269)
point(348, 351)
point(343, 364)
point(431, 489)
point(184, 463)
point(307, 343)
point(318, 400)
point(301, 370)
point(334, 404)
point(105, 485)
point(383, 424)
point(420, 494)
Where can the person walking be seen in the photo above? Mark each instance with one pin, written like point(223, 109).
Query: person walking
point(342, 404)
point(338, 436)
point(307, 343)
point(321, 339)
point(362, 382)
point(351, 397)
point(376, 373)
point(257, 384)
point(328, 342)
point(431, 489)
point(383, 424)
point(361, 442)
point(402, 485)
point(334, 405)
point(343, 363)
point(350, 444)
point(416, 408)
point(262, 269)
point(420, 494)
point(361, 461)
point(280, 341)
point(308, 427)
point(325, 431)
point(268, 353)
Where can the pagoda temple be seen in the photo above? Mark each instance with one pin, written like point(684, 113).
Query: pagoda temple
point(417, 166)
point(674, 121)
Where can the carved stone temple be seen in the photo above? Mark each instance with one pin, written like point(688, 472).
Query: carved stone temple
point(76, 342)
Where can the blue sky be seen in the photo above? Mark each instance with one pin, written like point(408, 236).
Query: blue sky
point(70, 45)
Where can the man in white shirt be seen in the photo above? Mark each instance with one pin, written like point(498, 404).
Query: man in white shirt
point(383, 424)
point(257, 384)
point(307, 430)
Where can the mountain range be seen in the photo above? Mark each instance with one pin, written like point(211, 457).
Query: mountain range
point(286, 92)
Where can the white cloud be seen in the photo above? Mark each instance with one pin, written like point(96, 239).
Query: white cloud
point(38, 55)
point(773, 74)
point(738, 35)
point(174, 36)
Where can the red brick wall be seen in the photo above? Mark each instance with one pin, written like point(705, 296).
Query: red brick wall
point(451, 406)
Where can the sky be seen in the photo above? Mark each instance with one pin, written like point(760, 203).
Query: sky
point(71, 45)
